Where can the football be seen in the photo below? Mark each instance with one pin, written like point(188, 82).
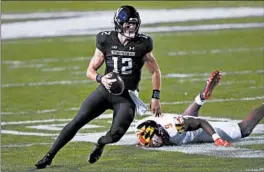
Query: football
point(118, 86)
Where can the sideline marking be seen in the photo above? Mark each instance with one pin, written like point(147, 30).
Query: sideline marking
point(48, 27)
point(217, 12)
point(204, 27)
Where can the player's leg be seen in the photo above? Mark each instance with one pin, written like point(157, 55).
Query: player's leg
point(123, 116)
point(250, 122)
point(213, 80)
point(94, 105)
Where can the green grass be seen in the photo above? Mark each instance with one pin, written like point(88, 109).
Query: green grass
point(29, 6)
point(73, 156)
point(18, 156)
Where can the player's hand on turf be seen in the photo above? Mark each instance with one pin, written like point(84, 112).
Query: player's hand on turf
point(155, 107)
point(221, 142)
point(106, 81)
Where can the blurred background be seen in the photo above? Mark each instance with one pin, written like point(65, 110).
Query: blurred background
point(46, 47)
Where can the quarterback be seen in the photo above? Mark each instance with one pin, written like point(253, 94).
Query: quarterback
point(124, 51)
point(189, 128)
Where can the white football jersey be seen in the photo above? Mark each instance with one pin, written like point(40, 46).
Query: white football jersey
point(174, 125)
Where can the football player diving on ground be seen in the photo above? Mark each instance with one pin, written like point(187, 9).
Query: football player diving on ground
point(124, 51)
point(188, 128)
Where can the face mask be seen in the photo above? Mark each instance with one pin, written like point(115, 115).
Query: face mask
point(129, 30)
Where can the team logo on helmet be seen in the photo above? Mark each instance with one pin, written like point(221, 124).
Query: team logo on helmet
point(151, 134)
point(145, 134)
point(123, 16)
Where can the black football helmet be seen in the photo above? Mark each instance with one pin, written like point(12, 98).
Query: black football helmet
point(126, 14)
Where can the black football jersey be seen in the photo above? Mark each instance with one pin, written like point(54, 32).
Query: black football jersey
point(126, 59)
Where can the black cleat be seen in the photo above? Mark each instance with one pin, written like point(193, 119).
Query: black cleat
point(44, 162)
point(211, 83)
point(96, 154)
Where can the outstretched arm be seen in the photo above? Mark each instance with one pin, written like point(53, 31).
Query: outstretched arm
point(152, 66)
point(192, 124)
point(250, 122)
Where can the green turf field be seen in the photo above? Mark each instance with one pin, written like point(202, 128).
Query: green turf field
point(44, 79)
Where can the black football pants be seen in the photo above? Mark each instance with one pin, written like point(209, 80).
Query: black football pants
point(93, 106)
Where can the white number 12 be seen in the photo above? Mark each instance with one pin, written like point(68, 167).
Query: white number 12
point(125, 69)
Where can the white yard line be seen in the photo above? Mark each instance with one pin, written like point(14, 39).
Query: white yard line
point(130, 139)
point(33, 84)
point(44, 62)
point(106, 116)
point(256, 170)
point(217, 100)
point(170, 75)
point(71, 82)
point(91, 24)
point(215, 51)
point(190, 75)
point(75, 32)
point(59, 69)
point(44, 15)
point(34, 121)
point(182, 14)
point(23, 145)
point(25, 133)
point(253, 87)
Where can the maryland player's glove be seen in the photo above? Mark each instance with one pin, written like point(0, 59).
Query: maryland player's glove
point(221, 142)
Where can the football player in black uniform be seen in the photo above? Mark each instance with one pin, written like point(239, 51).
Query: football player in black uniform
point(124, 51)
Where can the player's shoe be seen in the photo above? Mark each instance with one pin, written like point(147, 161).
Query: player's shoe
point(211, 83)
point(221, 142)
point(96, 154)
point(44, 162)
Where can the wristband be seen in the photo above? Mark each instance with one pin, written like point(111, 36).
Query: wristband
point(156, 94)
point(98, 78)
point(215, 136)
point(198, 100)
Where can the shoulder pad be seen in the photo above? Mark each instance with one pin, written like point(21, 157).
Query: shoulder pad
point(103, 34)
point(101, 39)
point(147, 41)
point(145, 36)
